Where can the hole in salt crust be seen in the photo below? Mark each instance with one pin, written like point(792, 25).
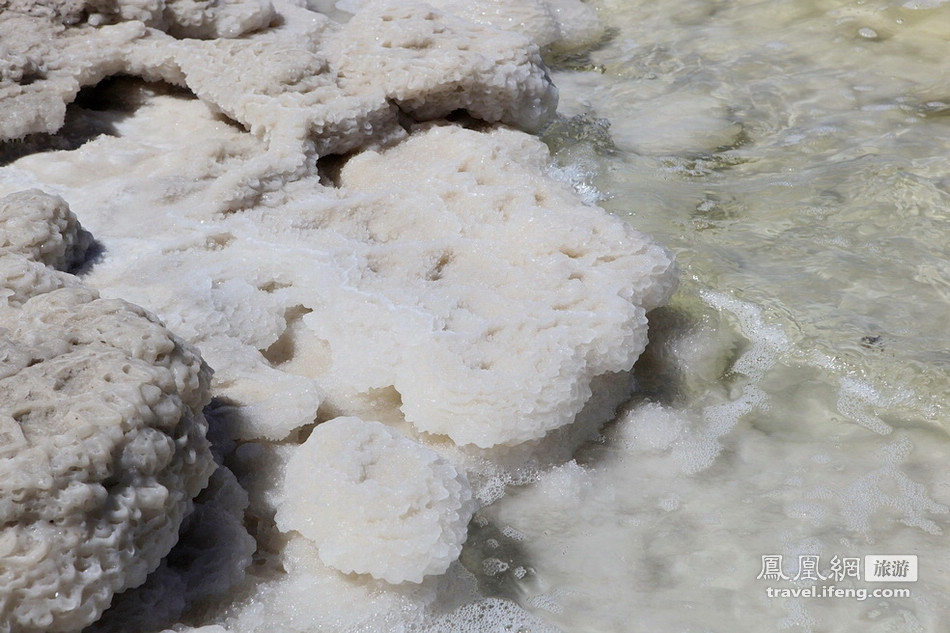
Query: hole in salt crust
point(437, 269)
point(283, 349)
point(329, 167)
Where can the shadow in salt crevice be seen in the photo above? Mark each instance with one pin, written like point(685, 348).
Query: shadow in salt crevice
point(209, 561)
point(658, 377)
point(93, 252)
point(95, 112)
point(78, 130)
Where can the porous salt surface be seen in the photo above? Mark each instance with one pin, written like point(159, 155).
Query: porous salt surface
point(102, 438)
point(291, 199)
point(375, 502)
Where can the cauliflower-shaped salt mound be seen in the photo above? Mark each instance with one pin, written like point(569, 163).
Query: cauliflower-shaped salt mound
point(375, 502)
point(103, 448)
point(487, 295)
point(102, 439)
point(42, 227)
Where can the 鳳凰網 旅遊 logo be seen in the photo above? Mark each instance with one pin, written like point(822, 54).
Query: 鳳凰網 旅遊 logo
point(812, 578)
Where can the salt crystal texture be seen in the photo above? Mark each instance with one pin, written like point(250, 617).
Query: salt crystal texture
point(375, 502)
point(102, 443)
point(351, 224)
point(501, 295)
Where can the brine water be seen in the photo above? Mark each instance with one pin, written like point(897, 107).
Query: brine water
point(791, 428)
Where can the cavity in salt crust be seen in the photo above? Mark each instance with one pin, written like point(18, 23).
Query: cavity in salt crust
point(375, 502)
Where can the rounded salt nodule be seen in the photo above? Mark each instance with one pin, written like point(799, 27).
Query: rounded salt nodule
point(41, 227)
point(102, 449)
point(375, 502)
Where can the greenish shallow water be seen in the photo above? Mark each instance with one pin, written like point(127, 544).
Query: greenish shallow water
point(794, 155)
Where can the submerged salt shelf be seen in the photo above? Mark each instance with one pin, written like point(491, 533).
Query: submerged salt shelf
point(349, 219)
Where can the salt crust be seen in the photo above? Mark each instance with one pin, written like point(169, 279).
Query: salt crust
point(42, 228)
point(410, 250)
point(101, 432)
point(309, 87)
point(555, 25)
point(276, 290)
point(488, 297)
point(375, 502)
point(183, 18)
point(51, 48)
point(517, 289)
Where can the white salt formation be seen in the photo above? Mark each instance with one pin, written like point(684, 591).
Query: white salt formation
point(42, 228)
point(555, 25)
point(303, 210)
point(308, 86)
point(518, 297)
point(102, 442)
point(52, 48)
point(375, 502)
